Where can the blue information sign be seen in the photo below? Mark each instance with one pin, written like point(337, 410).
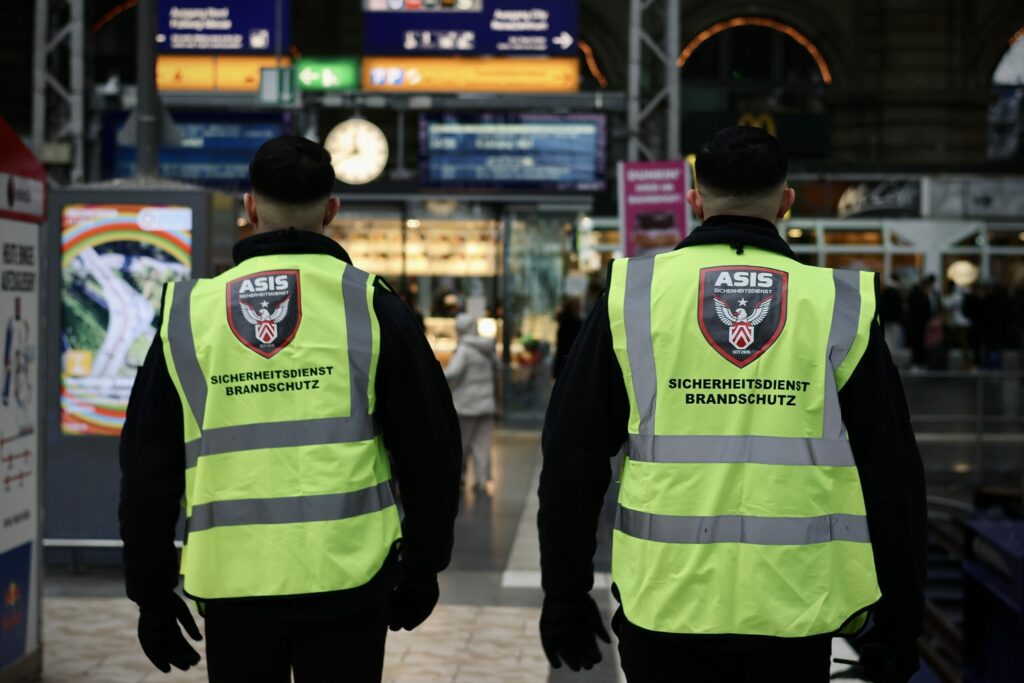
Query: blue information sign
point(471, 27)
point(215, 148)
point(224, 26)
point(527, 151)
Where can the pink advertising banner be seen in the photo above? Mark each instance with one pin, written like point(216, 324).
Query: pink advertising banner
point(652, 206)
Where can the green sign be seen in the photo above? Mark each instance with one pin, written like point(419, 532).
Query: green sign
point(337, 73)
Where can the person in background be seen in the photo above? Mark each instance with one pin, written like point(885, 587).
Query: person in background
point(471, 375)
point(958, 326)
point(890, 310)
point(569, 326)
point(988, 310)
point(921, 311)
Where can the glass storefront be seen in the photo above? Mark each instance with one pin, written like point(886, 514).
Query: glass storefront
point(504, 264)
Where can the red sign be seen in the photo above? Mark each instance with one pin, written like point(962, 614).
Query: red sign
point(652, 206)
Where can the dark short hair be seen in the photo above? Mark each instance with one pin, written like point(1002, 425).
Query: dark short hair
point(291, 170)
point(741, 161)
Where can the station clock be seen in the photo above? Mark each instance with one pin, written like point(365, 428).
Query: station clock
point(359, 151)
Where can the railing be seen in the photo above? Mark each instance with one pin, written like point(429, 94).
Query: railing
point(970, 429)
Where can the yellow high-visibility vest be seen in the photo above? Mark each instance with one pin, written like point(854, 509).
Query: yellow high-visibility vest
point(740, 509)
point(287, 481)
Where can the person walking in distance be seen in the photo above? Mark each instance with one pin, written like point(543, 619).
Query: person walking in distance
point(269, 403)
point(771, 493)
point(471, 374)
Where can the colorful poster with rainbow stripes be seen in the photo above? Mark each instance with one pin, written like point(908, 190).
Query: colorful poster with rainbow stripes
point(115, 260)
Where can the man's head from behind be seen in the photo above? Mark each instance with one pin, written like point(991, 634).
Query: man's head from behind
point(741, 171)
point(291, 179)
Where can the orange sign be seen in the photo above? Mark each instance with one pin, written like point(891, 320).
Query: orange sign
point(471, 74)
point(192, 73)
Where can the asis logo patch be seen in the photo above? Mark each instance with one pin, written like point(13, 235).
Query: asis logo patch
point(742, 310)
point(264, 310)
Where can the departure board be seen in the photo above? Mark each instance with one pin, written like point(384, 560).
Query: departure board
point(525, 151)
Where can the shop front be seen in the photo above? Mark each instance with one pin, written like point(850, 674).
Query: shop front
point(501, 258)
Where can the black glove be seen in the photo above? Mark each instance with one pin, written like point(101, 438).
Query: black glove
point(887, 659)
point(161, 637)
point(567, 629)
point(413, 600)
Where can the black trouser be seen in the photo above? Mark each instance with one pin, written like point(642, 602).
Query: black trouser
point(653, 658)
point(245, 648)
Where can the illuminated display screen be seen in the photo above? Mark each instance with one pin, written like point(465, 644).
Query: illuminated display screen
point(224, 26)
point(115, 260)
point(470, 27)
point(536, 151)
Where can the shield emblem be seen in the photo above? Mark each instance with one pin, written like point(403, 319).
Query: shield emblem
point(264, 310)
point(742, 310)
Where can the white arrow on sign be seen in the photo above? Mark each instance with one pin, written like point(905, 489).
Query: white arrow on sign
point(563, 40)
point(307, 76)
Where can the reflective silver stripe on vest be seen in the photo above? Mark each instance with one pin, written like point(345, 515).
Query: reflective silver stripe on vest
point(179, 336)
point(841, 336)
point(359, 426)
point(639, 340)
point(360, 340)
point(742, 529)
point(291, 434)
point(294, 510)
point(764, 450)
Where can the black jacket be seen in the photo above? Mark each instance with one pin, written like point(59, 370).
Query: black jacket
point(418, 424)
point(586, 426)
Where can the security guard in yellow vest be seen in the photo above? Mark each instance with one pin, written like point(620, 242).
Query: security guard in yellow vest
point(771, 493)
point(267, 407)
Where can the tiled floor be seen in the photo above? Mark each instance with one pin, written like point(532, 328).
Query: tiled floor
point(93, 639)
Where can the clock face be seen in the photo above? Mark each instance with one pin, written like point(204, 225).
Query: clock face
point(359, 151)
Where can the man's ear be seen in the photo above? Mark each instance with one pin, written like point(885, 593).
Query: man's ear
point(788, 198)
point(333, 207)
point(249, 200)
point(696, 202)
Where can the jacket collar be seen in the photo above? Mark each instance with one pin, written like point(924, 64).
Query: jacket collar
point(739, 232)
point(290, 241)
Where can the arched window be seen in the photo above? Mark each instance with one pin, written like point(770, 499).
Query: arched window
point(1006, 113)
point(756, 71)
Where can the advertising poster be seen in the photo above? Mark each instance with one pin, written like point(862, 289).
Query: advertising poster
point(652, 206)
point(19, 437)
point(115, 260)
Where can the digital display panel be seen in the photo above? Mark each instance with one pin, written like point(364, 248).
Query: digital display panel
point(470, 27)
point(528, 151)
point(227, 26)
point(115, 260)
point(215, 148)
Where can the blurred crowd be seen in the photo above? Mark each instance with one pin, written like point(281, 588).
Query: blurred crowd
point(955, 326)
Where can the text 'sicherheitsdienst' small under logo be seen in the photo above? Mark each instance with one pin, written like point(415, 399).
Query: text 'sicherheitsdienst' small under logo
point(742, 310)
point(264, 310)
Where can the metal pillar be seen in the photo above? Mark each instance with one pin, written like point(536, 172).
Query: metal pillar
point(58, 107)
point(653, 97)
point(148, 111)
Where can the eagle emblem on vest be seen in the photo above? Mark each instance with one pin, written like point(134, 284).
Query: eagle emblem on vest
point(742, 310)
point(264, 310)
point(265, 321)
point(741, 327)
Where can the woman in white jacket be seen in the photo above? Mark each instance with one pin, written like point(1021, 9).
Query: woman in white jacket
point(471, 376)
